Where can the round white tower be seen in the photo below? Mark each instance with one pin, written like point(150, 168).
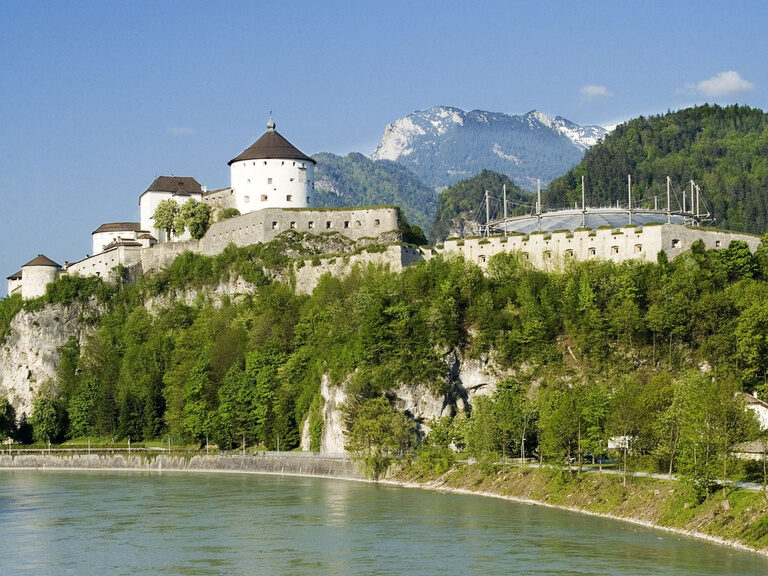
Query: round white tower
point(36, 275)
point(272, 173)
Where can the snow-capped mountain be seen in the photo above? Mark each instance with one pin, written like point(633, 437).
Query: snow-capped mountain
point(443, 145)
point(582, 136)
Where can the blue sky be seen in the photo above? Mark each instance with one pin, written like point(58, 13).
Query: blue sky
point(99, 98)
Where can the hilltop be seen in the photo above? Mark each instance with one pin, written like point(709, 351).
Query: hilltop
point(722, 148)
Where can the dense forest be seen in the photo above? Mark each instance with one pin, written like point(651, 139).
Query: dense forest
point(724, 149)
point(464, 203)
point(650, 352)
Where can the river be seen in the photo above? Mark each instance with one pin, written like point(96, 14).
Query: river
point(97, 523)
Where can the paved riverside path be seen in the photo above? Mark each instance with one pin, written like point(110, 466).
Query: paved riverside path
point(656, 475)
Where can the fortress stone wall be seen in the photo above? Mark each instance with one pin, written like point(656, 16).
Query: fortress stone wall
point(265, 225)
point(219, 199)
point(103, 264)
point(548, 251)
point(307, 273)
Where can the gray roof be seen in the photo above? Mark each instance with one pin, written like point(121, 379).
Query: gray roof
point(118, 227)
point(15, 276)
point(271, 145)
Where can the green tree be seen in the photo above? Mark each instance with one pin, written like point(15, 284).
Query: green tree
point(751, 336)
point(627, 414)
point(81, 409)
point(166, 217)
point(228, 213)
point(195, 217)
point(483, 434)
point(261, 368)
point(67, 373)
point(560, 424)
point(514, 414)
point(7, 419)
point(377, 434)
point(197, 419)
point(46, 419)
point(715, 419)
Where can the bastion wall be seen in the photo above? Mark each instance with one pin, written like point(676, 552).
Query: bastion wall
point(307, 272)
point(103, 264)
point(265, 225)
point(549, 251)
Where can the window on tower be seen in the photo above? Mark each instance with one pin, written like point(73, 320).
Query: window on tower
point(289, 198)
point(263, 197)
point(269, 180)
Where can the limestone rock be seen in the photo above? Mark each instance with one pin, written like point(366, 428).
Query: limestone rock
point(29, 356)
point(332, 440)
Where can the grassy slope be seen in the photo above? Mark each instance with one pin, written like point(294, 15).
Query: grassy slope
point(742, 520)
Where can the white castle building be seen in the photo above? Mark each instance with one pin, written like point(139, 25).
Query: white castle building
point(272, 187)
point(267, 177)
point(272, 173)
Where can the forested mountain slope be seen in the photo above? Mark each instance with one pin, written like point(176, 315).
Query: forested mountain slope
point(724, 149)
point(461, 208)
point(355, 180)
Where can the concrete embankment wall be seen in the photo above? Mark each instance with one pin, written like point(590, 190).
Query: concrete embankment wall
point(293, 464)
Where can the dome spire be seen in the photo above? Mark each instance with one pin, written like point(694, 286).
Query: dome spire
point(271, 123)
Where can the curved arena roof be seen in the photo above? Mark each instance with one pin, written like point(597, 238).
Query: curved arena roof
point(589, 218)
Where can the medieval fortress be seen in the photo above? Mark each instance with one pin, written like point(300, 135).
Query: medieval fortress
point(272, 186)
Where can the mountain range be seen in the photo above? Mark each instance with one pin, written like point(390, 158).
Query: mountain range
point(432, 149)
point(444, 145)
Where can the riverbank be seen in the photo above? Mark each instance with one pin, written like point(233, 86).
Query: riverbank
point(739, 520)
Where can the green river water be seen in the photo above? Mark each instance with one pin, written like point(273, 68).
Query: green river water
point(104, 523)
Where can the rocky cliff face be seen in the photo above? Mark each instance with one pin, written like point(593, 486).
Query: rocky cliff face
point(29, 356)
point(464, 380)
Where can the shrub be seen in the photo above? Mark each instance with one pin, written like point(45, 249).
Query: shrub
point(228, 213)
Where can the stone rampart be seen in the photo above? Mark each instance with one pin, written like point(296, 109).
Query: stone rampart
point(308, 271)
point(265, 225)
point(549, 251)
point(219, 199)
point(102, 264)
point(288, 463)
